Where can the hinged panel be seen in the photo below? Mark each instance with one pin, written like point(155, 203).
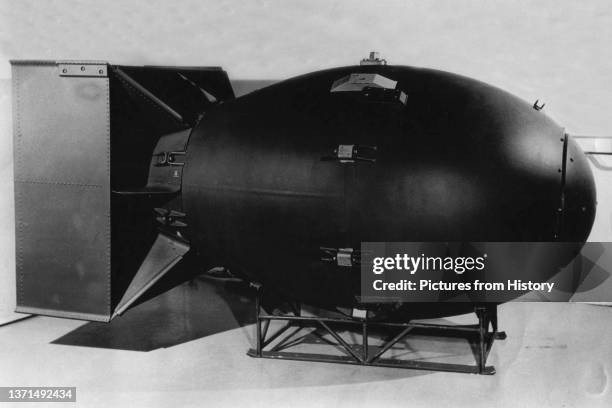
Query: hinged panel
point(62, 191)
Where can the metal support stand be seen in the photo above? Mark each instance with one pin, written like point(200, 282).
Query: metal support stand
point(481, 339)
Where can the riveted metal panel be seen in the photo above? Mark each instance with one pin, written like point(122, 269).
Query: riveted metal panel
point(62, 191)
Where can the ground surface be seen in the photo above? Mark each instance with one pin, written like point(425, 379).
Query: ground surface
point(187, 348)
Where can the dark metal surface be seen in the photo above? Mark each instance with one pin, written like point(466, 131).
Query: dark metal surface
point(188, 91)
point(166, 169)
point(62, 192)
point(460, 161)
point(137, 91)
point(166, 252)
point(142, 131)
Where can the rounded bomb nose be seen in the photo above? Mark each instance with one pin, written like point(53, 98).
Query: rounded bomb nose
point(578, 195)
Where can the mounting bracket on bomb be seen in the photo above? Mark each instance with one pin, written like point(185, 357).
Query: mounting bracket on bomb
point(346, 257)
point(351, 153)
point(371, 86)
point(169, 159)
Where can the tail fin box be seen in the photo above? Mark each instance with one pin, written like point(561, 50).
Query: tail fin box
point(83, 130)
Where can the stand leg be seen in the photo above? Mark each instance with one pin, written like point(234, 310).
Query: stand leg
point(482, 347)
point(364, 334)
point(258, 299)
point(496, 334)
point(297, 308)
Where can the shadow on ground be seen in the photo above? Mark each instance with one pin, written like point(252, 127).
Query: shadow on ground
point(193, 308)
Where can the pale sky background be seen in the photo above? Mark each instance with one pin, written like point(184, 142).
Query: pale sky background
point(557, 51)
